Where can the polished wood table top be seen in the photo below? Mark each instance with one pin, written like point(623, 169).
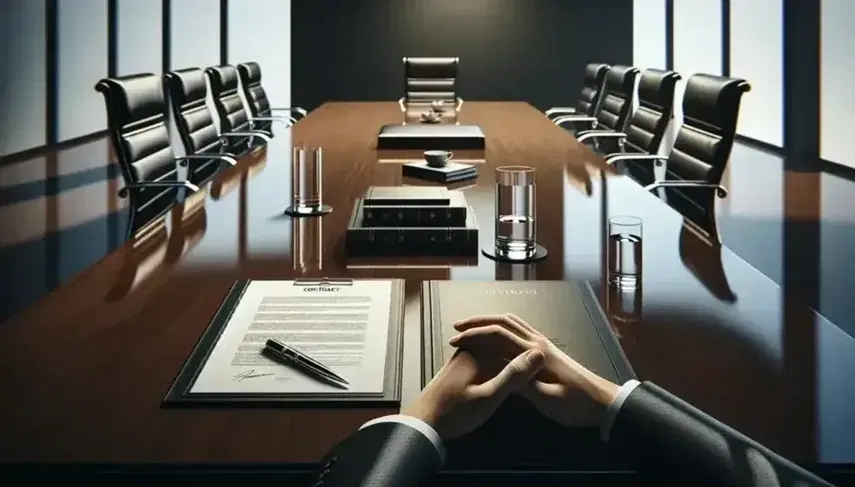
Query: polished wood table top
point(84, 371)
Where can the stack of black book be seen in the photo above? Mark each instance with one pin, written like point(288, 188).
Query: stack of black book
point(412, 221)
point(451, 172)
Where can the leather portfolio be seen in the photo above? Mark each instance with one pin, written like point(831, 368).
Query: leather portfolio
point(430, 137)
point(566, 312)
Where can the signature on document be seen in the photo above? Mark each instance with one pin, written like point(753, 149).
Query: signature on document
point(250, 374)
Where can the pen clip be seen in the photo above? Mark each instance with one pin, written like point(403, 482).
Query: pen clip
point(323, 281)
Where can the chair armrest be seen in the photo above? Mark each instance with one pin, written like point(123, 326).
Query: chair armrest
point(721, 191)
point(202, 156)
point(599, 134)
point(254, 133)
point(560, 111)
point(613, 158)
point(576, 119)
point(288, 121)
point(123, 193)
point(299, 110)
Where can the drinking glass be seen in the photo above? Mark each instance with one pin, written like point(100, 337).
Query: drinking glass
point(516, 228)
point(308, 169)
point(307, 182)
point(624, 251)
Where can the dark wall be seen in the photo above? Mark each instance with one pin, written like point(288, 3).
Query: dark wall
point(529, 50)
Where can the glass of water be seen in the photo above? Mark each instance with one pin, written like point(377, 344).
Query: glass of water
point(516, 232)
point(307, 173)
point(624, 251)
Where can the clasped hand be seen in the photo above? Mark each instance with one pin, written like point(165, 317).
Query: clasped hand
point(499, 355)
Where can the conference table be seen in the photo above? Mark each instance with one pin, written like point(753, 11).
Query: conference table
point(85, 370)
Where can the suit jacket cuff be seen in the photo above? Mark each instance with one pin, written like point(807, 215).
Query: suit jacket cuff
point(614, 407)
point(415, 424)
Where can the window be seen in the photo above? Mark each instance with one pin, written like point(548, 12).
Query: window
point(82, 61)
point(756, 55)
point(837, 73)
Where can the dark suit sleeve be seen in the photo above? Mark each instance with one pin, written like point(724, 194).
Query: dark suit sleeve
point(386, 454)
point(660, 431)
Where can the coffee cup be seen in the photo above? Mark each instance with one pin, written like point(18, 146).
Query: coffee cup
point(438, 158)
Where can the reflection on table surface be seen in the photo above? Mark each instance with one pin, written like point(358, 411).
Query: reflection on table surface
point(704, 324)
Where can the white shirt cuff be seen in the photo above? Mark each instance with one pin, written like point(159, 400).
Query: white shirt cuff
point(614, 408)
point(417, 425)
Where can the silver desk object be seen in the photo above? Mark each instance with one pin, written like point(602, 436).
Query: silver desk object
point(516, 220)
point(307, 182)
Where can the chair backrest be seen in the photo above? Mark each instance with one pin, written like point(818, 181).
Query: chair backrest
point(136, 119)
point(592, 88)
point(256, 97)
point(704, 141)
point(618, 93)
point(430, 79)
point(705, 138)
point(224, 89)
point(187, 93)
point(655, 110)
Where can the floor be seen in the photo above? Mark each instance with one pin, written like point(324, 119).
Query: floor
point(59, 214)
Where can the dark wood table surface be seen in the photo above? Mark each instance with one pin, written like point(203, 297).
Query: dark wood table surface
point(84, 371)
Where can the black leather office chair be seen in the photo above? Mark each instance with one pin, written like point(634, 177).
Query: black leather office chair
point(594, 76)
point(136, 119)
point(696, 164)
point(705, 138)
point(235, 124)
point(205, 149)
point(646, 128)
point(589, 99)
point(259, 105)
point(615, 111)
point(430, 79)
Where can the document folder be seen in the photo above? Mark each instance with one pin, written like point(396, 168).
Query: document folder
point(305, 299)
point(566, 312)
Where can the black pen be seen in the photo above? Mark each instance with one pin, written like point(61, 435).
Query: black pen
point(303, 361)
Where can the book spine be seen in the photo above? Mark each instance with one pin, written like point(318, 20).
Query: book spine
point(404, 216)
point(414, 242)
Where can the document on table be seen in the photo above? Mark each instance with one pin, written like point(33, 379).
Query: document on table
point(344, 327)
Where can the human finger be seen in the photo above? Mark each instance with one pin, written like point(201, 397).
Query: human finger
point(522, 324)
point(544, 389)
point(513, 377)
point(487, 320)
point(489, 331)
